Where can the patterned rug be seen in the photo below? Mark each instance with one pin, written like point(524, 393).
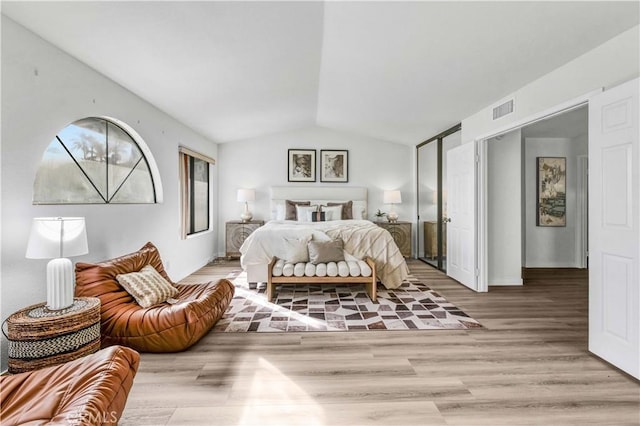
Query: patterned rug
point(340, 308)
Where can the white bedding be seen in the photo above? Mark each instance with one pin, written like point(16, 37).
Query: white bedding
point(361, 238)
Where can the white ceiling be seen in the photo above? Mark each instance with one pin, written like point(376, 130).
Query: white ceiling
point(399, 71)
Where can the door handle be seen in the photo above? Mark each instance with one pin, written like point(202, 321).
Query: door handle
point(446, 219)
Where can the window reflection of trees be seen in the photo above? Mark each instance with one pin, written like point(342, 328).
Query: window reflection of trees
point(93, 160)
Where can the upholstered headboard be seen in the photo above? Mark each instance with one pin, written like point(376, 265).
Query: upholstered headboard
point(319, 195)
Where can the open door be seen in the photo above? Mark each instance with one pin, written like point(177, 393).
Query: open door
point(614, 227)
point(461, 229)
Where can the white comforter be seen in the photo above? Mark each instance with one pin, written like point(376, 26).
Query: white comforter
point(361, 238)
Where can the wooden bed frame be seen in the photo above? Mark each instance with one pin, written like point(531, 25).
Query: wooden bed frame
point(370, 282)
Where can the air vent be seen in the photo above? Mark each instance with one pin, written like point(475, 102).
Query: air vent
point(503, 109)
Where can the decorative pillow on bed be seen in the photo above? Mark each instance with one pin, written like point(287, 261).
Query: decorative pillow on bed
point(333, 212)
point(303, 213)
point(147, 286)
point(319, 216)
point(325, 251)
point(290, 212)
point(295, 249)
point(347, 209)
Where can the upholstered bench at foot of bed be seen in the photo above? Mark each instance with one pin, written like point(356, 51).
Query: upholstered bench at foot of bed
point(360, 272)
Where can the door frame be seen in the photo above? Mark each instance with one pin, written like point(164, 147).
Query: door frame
point(482, 186)
point(582, 222)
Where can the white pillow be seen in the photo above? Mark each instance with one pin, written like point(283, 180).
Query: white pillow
point(302, 211)
point(333, 212)
point(280, 212)
point(295, 249)
point(358, 211)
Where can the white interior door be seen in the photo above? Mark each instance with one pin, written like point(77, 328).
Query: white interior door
point(461, 203)
point(614, 227)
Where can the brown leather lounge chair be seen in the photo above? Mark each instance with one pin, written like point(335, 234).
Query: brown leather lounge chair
point(160, 328)
point(91, 390)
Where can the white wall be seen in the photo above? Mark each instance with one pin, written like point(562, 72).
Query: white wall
point(43, 90)
point(261, 163)
point(613, 62)
point(552, 247)
point(504, 176)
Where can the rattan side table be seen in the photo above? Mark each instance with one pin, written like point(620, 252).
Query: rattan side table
point(39, 337)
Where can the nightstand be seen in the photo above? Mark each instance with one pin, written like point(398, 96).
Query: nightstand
point(401, 233)
point(236, 232)
point(39, 337)
point(431, 239)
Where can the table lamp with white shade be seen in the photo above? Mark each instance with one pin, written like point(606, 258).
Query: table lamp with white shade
point(58, 238)
point(244, 196)
point(392, 197)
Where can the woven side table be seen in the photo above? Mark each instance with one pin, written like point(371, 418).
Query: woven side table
point(39, 337)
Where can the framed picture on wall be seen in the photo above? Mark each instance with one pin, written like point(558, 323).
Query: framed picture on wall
point(302, 165)
point(552, 197)
point(334, 165)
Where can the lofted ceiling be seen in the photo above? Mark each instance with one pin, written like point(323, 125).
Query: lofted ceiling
point(397, 71)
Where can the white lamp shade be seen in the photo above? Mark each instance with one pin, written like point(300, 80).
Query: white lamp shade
point(55, 237)
point(392, 197)
point(245, 195)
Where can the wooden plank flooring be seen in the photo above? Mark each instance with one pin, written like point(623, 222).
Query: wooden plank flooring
point(529, 365)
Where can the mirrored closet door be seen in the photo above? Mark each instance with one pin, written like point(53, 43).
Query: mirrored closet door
point(432, 198)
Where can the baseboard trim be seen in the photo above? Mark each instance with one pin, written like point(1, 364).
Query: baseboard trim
point(508, 281)
point(552, 265)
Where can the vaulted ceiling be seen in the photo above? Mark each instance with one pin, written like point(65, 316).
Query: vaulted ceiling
point(398, 71)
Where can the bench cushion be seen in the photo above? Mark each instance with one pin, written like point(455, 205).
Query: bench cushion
point(353, 268)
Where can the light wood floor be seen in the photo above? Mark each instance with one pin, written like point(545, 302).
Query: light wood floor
point(529, 365)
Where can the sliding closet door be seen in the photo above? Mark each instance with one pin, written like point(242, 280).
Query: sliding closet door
point(432, 198)
point(428, 241)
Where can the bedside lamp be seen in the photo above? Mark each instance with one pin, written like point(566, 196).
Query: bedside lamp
point(392, 197)
point(57, 238)
point(244, 196)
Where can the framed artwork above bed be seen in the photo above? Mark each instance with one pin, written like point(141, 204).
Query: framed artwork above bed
point(334, 165)
point(302, 165)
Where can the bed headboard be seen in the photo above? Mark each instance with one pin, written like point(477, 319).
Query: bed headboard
point(320, 195)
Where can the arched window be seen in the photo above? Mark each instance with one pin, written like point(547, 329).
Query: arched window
point(97, 160)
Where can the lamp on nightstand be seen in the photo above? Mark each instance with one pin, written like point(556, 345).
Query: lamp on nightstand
point(57, 238)
point(392, 197)
point(246, 195)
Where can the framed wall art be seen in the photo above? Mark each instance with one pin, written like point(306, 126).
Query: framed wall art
point(552, 197)
point(334, 165)
point(302, 165)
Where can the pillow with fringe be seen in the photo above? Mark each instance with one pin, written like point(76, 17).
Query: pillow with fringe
point(147, 286)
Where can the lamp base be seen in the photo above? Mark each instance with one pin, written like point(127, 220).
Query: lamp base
point(392, 217)
point(60, 283)
point(246, 216)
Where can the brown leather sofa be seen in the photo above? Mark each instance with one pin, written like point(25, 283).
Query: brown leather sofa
point(91, 390)
point(160, 328)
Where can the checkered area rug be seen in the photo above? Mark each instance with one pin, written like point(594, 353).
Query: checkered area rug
point(340, 308)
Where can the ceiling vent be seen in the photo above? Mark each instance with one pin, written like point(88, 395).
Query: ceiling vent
point(503, 109)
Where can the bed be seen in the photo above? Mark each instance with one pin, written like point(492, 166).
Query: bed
point(361, 237)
